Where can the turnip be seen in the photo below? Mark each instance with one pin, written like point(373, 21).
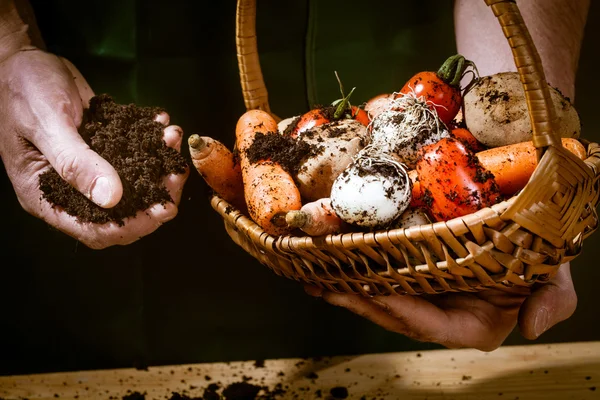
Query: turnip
point(375, 189)
point(405, 126)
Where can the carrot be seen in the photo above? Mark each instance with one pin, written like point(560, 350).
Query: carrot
point(316, 218)
point(269, 190)
point(217, 165)
point(511, 165)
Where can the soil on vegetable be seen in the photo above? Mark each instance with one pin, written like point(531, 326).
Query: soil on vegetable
point(132, 142)
point(281, 149)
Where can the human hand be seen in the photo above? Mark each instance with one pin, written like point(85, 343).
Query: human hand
point(480, 320)
point(41, 107)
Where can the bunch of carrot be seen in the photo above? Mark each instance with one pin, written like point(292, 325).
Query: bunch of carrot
point(453, 176)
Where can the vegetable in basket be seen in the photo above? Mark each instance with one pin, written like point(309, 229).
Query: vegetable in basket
point(453, 182)
point(496, 113)
point(316, 218)
point(339, 109)
point(334, 144)
point(511, 166)
point(375, 189)
point(217, 165)
point(441, 89)
point(269, 190)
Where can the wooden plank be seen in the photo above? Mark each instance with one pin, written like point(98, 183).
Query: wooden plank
point(548, 372)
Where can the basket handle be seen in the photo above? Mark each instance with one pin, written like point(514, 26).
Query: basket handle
point(531, 72)
point(527, 60)
point(254, 89)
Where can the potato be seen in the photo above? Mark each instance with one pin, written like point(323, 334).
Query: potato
point(337, 143)
point(496, 113)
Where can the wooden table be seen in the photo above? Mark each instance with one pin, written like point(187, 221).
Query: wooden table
point(560, 371)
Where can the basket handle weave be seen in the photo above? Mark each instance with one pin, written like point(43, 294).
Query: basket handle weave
point(526, 57)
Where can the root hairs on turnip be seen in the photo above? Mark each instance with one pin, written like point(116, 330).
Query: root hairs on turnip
point(406, 125)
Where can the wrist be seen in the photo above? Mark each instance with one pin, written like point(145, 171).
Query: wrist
point(14, 35)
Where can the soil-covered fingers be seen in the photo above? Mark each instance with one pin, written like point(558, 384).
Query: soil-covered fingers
point(549, 304)
point(175, 183)
point(173, 136)
point(100, 236)
point(163, 118)
point(79, 165)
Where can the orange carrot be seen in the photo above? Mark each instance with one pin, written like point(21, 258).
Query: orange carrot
point(269, 190)
point(512, 166)
point(316, 218)
point(217, 165)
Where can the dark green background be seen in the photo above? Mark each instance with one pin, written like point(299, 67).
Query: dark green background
point(187, 293)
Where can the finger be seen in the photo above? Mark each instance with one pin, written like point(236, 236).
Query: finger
point(76, 163)
point(162, 213)
point(100, 236)
point(468, 321)
point(85, 91)
point(173, 136)
point(174, 184)
point(163, 118)
point(550, 304)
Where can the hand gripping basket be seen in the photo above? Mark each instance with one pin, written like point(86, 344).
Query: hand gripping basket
point(520, 241)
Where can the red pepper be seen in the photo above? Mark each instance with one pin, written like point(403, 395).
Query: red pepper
point(452, 181)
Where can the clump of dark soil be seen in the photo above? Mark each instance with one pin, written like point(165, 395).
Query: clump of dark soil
point(241, 391)
point(132, 142)
point(339, 392)
point(283, 150)
point(135, 396)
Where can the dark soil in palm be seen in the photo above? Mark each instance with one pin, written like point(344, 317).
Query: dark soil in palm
point(132, 142)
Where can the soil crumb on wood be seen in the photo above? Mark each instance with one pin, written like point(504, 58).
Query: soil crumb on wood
point(135, 396)
point(132, 142)
point(339, 392)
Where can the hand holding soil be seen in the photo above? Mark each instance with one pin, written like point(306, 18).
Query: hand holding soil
point(105, 176)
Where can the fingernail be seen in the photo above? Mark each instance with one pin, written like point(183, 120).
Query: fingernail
point(101, 192)
point(541, 322)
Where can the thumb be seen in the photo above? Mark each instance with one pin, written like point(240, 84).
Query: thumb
point(550, 304)
point(77, 164)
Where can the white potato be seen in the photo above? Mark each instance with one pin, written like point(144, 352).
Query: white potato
point(337, 143)
point(495, 111)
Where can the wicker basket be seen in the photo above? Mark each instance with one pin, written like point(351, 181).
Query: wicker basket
point(520, 241)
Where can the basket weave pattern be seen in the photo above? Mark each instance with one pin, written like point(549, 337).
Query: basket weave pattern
point(520, 241)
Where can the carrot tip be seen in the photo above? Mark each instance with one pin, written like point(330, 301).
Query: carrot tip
point(196, 142)
point(279, 220)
